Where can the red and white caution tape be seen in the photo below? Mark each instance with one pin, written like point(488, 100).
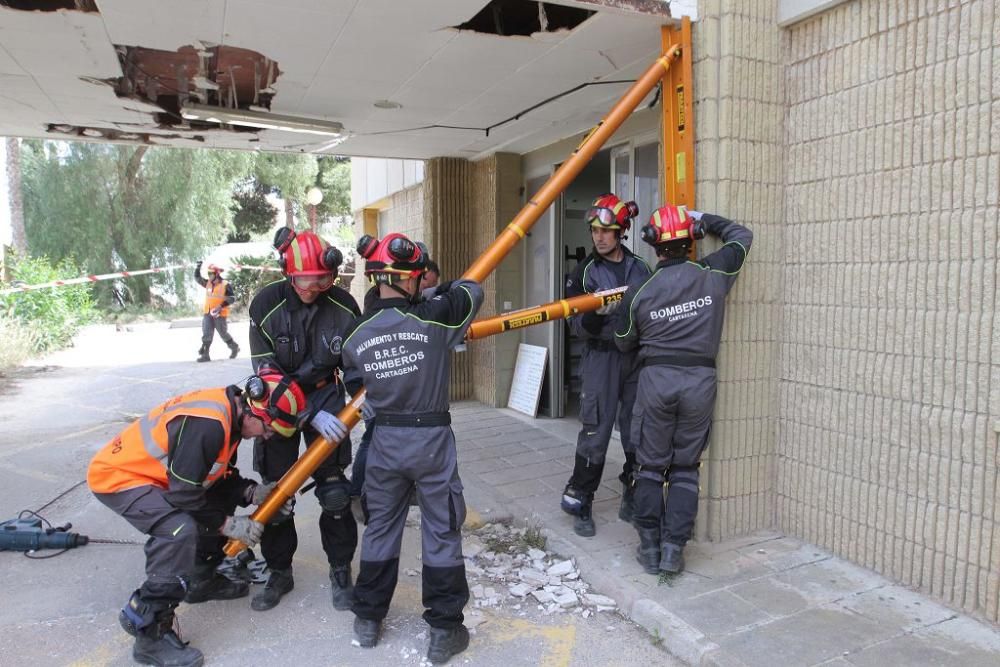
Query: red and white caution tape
point(93, 278)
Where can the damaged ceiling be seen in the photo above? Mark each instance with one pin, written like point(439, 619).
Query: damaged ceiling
point(404, 79)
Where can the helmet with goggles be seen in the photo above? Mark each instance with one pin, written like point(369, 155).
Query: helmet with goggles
point(277, 400)
point(309, 262)
point(610, 212)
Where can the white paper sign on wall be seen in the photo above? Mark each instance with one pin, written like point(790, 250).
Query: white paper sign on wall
point(529, 371)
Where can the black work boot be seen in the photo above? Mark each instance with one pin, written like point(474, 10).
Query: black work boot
point(203, 353)
point(341, 587)
point(446, 642)
point(158, 644)
point(671, 558)
point(583, 523)
point(207, 584)
point(626, 512)
point(366, 632)
point(234, 350)
point(278, 583)
point(572, 500)
point(648, 551)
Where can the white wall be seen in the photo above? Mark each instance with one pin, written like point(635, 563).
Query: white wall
point(373, 179)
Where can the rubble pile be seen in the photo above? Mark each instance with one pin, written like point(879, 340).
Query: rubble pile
point(504, 569)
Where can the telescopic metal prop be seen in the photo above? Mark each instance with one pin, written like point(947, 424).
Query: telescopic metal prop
point(350, 415)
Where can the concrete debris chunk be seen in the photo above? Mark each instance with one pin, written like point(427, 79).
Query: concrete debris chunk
point(566, 600)
point(520, 590)
point(472, 548)
point(542, 596)
point(536, 554)
point(410, 572)
point(593, 599)
point(477, 591)
point(533, 577)
point(561, 568)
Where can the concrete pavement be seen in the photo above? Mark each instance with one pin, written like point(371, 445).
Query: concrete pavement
point(764, 599)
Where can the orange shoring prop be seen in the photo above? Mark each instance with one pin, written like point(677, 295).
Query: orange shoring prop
point(350, 415)
point(556, 310)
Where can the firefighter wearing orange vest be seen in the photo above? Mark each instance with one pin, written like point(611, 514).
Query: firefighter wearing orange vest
point(218, 297)
point(170, 475)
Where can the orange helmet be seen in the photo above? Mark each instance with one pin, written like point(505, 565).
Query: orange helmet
point(305, 254)
point(670, 223)
point(394, 256)
point(215, 268)
point(610, 212)
point(277, 400)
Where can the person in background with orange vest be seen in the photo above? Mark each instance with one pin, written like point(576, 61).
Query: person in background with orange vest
point(218, 297)
point(170, 475)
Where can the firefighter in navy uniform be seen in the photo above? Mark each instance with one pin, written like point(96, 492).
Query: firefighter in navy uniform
point(675, 321)
point(296, 327)
point(609, 376)
point(169, 474)
point(218, 298)
point(401, 350)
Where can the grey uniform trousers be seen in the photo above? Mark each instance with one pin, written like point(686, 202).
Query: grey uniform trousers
point(400, 458)
point(670, 427)
point(209, 325)
point(176, 539)
point(608, 394)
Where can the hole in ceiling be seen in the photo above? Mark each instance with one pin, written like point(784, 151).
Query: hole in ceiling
point(524, 17)
point(223, 76)
point(51, 5)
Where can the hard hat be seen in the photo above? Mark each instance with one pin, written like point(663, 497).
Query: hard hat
point(395, 255)
point(277, 400)
point(305, 254)
point(610, 212)
point(215, 268)
point(668, 224)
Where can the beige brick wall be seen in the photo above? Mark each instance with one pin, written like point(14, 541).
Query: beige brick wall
point(738, 90)
point(889, 366)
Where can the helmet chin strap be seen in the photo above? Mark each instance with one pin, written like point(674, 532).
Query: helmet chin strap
point(411, 298)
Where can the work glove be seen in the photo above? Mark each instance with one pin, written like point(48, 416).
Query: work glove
point(259, 492)
point(215, 312)
point(197, 267)
point(695, 215)
point(609, 307)
point(367, 411)
point(244, 529)
point(328, 426)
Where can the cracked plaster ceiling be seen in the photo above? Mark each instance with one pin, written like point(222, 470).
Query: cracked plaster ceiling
point(330, 60)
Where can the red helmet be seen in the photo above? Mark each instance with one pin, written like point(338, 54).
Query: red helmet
point(305, 254)
point(277, 400)
point(610, 212)
point(670, 223)
point(215, 268)
point(395, 255)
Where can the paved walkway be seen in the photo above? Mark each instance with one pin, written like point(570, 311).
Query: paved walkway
point(765, 599)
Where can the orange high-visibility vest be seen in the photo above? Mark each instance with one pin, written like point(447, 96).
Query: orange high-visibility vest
point(138, 455)
point(215, 297)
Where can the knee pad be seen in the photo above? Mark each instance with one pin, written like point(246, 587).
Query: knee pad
point(136, 615)
point(334, 495)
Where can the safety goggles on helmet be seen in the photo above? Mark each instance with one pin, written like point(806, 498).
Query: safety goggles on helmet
point(306, 254)
point(610, 212)
point(319, 283)
point(276, 400)
point(601, 217)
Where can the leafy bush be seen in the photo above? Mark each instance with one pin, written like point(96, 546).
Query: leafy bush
point(52, 314)
point(18, 342)
point(247, 282)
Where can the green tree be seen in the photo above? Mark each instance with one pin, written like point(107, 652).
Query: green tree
point(127, 207)
point(253, 215)
point(334, 180)
point(289, 175)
